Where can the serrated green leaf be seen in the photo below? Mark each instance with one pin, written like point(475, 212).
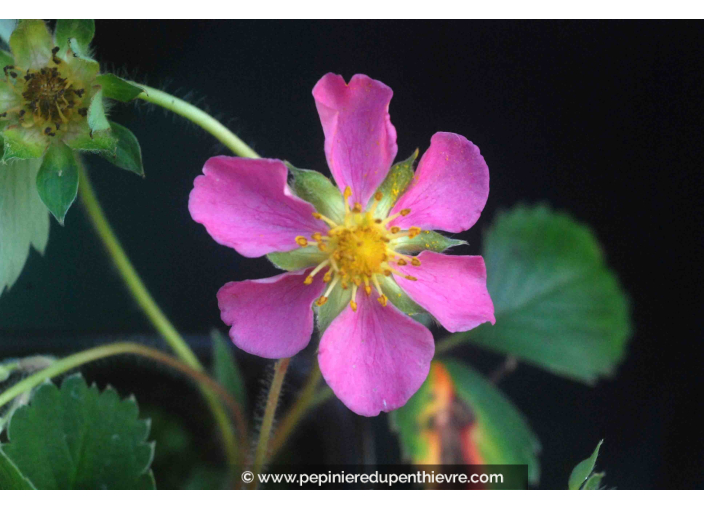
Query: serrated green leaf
point(20, 143)
point(593, 483)
point(6, 59)
point(557, 304)
point(395, 183)
point(57, 180)
point(225, 368)
point(582, 470)
point(11, 479)
point(127, 154)
point(504, 434)
point(338, 299)
point(297, 259)
point(79, 438)
point(315, 188)
point(426, 240)
point(82, 30)
point(31, 44)
point(24, 220)
point(116, 88)
point(6, 28)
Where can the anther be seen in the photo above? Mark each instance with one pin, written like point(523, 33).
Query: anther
point(301, 241)
point(395, 230)
point(327, 277)
point(308, 280)
point(353, 305)
point(415, 261)
point(413, 231)
point(378, 196)
point(357, 207)
point(368, 290)
point(347, 193)
point(322, 246)
point(383, 300)
point(411, 278)
point(405, 212)
point(317, 237)
point(321, 301)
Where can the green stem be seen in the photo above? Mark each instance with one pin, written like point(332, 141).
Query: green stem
point(199, 117)
point(272, 403)
point(297, 411)
point(104, 351)
point(144, 299)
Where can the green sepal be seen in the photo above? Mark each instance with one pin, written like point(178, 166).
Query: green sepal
point(31, 44)
point(9, 98)
point(127, 154)
point(582, 470)
point(7, 26)
point(116, 88)
point(11, 478)
point(57, 180)
point(77, 437)
point(317, 189)
point(24, 220)
point(297, 259)
point(398, 297)
point(82, 30)
point(225, 368)
point(82, 66)
point(426, 240)
point(593, 483)
point(396, 182)
point(97, 120)
point(338, 299)
point(21, 143)
point(557, 304)
point(102, 142)
point(506, 436)
point(6, 59)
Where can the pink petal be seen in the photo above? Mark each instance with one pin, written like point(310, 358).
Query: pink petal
point(376, 358)
point(246, 204)
point(450, 187)
point(273, 317)
point(452, 288)
point(360, 141)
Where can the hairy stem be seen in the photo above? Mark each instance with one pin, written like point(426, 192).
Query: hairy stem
point(198, 117)
point(272, 403)
point(105, 351)
point(146, 302)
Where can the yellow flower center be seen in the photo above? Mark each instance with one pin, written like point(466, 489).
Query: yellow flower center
point(360, 251)
point(49, 97)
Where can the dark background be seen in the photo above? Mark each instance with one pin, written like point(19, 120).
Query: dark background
point(601, 119)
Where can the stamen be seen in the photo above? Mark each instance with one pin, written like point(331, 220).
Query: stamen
point(346, 195)
point(353, 303)
point(331, 286)
point(395, 230)
point(321, 301)
point(367, 287)
point(322, 246)
point(411, 278)
point(401, 262)
point(413, 231)
point(318, 268)
point(415, 261)
point(383, 300)
point(327, 220)
point(327, 277)
point(405, 212)
point(301, 241)
point(357, 208)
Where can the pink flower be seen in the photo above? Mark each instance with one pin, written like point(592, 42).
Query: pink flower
point(356, 249)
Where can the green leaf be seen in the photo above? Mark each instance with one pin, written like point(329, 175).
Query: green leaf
point(57, 180)
point(593, 483)
point(24, 220)
point(582, 470)
point(317, 189)
point(297, 259)
point(396, 182)
point(6, 28)
point(82, 30)
point(97, 120)
point(338, 299)
point(31, 44)
point(426, 240)
point(11, 478)
point(21, 143)
point(127, 154)
point(225, 368)
point(557, 304)
point(116, 88)
point(79, 438)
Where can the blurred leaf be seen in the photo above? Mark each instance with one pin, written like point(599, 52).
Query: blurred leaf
point(317, 189)
point(225, 368)
point(557, 304)
point(116, 88)
point(24, 220)
point(504, 436)
point(82, 30)
point(10, 477)
point(593, 483)
point(395, 183)
point(57, 180)
point(128, 154)
point(79, 438)
point(582, 470)
point(457, 416)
